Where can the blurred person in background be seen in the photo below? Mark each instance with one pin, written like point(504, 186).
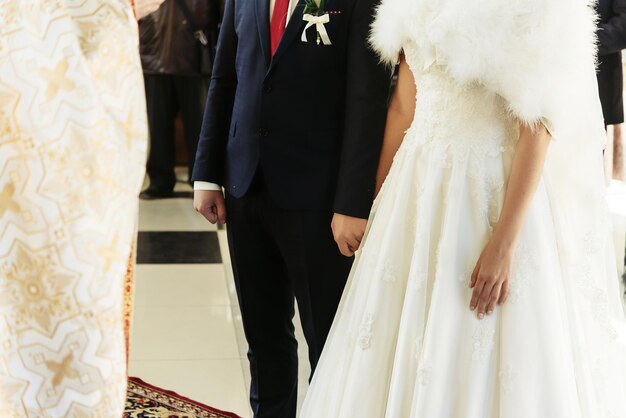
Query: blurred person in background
point(611, 41)
point(73, 142)
point(177, 46)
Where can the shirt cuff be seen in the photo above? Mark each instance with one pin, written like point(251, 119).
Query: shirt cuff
point(205, 185)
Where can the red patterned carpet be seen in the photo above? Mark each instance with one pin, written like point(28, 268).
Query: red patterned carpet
point(147, 401)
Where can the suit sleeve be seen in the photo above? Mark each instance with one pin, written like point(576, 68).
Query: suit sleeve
point(367, 89)
point(211, 154)
point(612, 34)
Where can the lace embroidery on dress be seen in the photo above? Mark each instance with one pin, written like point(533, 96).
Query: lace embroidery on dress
point(418, 345)
point(507, 378)
point(388, 272)
point(413, 216)
point(442, 250)
point(411, 222)
point(418, 279)
point(487, 193)
point(365, 332)
point(600, 368)
point(592, 243)
point(484, 341)
point(419, 269)
point(424, 372)
point(465, 279)
point(524, 267)
point(595, 295)
point(496, 187)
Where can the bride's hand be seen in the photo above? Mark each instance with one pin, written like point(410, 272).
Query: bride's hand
point(490, 279)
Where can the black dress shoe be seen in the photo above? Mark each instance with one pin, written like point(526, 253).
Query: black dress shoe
point(153, 193)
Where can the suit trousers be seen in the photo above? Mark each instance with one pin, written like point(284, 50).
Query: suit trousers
point(166, 97)
point(278, 256)
point(610, 87)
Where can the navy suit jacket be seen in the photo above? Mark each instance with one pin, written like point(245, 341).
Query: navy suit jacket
point(611, 41)
point(312, 118)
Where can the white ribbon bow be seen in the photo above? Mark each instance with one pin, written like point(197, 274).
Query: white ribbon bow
point(319, 22)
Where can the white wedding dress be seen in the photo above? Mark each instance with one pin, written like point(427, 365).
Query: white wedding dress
point(405, 344)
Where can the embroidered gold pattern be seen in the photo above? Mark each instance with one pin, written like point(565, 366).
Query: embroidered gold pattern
point(72, 156)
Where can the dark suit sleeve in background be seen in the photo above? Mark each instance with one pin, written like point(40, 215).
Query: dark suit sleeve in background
point(612, 34)
point(211, 154)
point(367, 82)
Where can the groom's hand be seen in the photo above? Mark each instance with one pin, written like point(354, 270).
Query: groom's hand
point(348, 232)
point(210, 203)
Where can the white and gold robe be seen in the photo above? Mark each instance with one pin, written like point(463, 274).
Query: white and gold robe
point(73, 141)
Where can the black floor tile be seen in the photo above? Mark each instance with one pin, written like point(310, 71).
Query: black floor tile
point(175, 195)
point(183, 195)
point(154, 247)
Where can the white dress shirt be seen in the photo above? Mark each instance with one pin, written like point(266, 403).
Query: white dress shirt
point(204, 185)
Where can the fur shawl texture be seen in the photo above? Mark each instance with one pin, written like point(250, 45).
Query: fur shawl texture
point(539, 55)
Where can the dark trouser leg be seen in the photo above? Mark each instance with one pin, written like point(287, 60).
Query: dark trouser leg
point(162, 109)
point(267, 306)
point(191, 93)
point(317, 270)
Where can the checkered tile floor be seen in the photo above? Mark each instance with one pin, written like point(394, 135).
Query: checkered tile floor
point(187, 334)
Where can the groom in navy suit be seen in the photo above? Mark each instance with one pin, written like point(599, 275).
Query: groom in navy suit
point(611, 41)
point(292, 131)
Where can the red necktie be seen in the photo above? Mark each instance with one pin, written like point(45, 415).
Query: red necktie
point(278, 23)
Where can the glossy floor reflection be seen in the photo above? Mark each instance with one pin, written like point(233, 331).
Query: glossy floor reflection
point(187, 334)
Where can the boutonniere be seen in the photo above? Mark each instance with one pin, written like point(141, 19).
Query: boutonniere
point(315, 14)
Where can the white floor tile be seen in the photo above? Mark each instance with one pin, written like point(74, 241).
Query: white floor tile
point(181, 285)
point(187, 331)
point(223, 239)
point(245, 368)
point(217, 383)
point(236, 312)
point(170, 333)
point(182, 185)
point(171, 215)
point(303, 387)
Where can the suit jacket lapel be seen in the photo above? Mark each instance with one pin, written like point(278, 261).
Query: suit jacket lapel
point(293, 30)
point(263, 22)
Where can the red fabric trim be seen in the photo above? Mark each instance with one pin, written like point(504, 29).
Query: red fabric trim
point(138, 381)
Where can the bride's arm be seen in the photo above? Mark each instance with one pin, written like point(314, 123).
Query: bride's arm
point(490, 279)
point(399, 118)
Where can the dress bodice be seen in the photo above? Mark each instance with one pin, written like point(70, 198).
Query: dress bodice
point(459, 116)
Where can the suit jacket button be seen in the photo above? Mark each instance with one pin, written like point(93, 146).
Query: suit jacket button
point(264, 132)
point(267, 88)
